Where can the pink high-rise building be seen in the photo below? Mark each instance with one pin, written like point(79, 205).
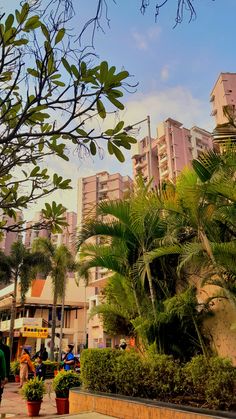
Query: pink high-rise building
point(10, 237)
point(67, 237)
point(223, 99)
point(173, 149)
point(91, 191)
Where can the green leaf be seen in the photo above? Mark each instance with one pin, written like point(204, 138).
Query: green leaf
point(60, 35)
point(33, 72)
point(24, 13)
point(119, 127)
point(58, 83)
point(110, 147)
point(32, 23)
point(122, 75)
point(9, 22)
point(93, 148)
point(66, 65)
point(119, 155)
point(116, 102)
point(109, 132)
point(101, 109)
point(45, 31)
point(75, 71)
point(103, 71)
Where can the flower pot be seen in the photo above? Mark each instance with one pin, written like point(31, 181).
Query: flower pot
point(17, 378)
point(34, 407)
point(55, 372)
point(62, 405)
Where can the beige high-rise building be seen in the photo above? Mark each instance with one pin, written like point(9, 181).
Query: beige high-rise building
point(91, 191)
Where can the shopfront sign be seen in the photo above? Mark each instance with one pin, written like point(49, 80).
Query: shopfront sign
point(34, 332)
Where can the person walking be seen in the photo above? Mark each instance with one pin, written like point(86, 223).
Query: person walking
point(25, 366)
point(69, 359)
point(3, 373)
point(44, 354)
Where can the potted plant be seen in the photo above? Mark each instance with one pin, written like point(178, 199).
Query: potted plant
point(33, 392)
point(62, 383)
point(15, 370)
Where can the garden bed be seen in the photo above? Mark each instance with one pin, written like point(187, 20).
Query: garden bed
point(125, 407)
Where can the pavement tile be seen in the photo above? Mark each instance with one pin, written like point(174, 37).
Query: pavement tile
point(14, 406)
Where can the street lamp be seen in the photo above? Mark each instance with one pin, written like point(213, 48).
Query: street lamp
point(129, 127)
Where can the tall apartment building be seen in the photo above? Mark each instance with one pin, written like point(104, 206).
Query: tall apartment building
point(8, 238)
point(91, 191)
point(173, 149)
point(67, 237)
point(223, 98)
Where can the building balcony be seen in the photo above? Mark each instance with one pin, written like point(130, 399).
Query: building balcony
point(20, 323)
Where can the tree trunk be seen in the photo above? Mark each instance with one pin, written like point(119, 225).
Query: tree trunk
point(53, 332)
point(62, 318)
point(13, 315)
point(149, 276)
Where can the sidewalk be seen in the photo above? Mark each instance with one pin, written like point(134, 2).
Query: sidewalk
point(14, 406)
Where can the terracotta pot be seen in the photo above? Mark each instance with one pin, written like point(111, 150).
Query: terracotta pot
point(17, 378)
point(62, 405)
point(55, 372)
point(34, 407)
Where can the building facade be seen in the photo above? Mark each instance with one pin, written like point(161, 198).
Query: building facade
point(173, 149)
point(91, 191)
point(223, 100)
point(9, 237)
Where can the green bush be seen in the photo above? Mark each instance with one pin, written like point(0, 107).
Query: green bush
point(15, 367)
point(65, 380)
point(162, 380)
point(51, 366)
point(33, 390)
point(97, 369)
point(130, 372)
point(212, 380)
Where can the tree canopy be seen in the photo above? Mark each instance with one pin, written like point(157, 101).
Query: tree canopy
point(50, 94)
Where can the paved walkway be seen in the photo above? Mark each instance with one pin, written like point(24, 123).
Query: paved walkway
point(13, 406)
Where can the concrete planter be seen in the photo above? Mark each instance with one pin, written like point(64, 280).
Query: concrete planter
point(124, 407)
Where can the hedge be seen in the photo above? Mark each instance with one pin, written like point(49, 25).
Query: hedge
point(203, 382)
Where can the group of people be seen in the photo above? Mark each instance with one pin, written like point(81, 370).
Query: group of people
point(26, 363)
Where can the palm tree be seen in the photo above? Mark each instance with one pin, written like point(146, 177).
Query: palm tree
point(61, 262)
point(20, 267)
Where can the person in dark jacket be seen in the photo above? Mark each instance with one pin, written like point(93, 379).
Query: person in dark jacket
point(3, 373)
point(40, 368)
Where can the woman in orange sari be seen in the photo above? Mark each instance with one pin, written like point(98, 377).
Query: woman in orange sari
point(25, 366)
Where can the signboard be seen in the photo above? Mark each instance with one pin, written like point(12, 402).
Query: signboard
point(34, 332)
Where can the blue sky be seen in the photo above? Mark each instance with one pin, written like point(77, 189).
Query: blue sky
point(176, 68)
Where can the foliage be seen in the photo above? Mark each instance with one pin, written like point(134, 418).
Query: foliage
point(33, 390)
point(51, 366)
point(15, 367)
point(60, 262)
point(212, 380)
point(130, 373)
point(65, 380)
point(50, 93)
point(160, 377)
point(97, 369)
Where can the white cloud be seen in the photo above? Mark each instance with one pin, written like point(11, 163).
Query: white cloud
point(165, 73)
point(143, 39)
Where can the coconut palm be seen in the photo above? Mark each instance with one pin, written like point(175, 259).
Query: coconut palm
point(61, 262)
point(20, 268)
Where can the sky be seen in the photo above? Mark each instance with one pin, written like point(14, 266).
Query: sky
point(175, 69)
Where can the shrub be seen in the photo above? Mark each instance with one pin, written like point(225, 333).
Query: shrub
point(162, 380)
point(130, 372)
point(213, 380)
point(33, 390)
point(15, 367)
point(97, 369)
point(51, 366)
point(63, 381)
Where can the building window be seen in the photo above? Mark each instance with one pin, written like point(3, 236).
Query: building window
point(108, 343)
